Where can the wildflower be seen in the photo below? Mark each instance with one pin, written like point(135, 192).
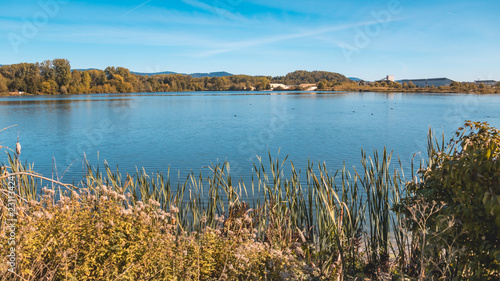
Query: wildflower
point(48, 215)
point(48, 191)
point(139, 205)
point(126, 212)
point(104, 197)
point(113, 194)
point(75, 194)
point(38, 214)
point(203, 219)
point(299, 251)
point(154, 202)
point(63, 200)
point(33, 203)
point(219, 219)
point(247, 218)
point(174, 209)
point(121, 197)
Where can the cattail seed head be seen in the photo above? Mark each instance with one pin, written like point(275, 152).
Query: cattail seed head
point(18, 148)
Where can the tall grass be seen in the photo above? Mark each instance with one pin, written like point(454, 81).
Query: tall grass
point(339, 221)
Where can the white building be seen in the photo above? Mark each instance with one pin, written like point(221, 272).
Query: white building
point(387, 79)
point(282, 86)
point(486, 82)
point(436, 82)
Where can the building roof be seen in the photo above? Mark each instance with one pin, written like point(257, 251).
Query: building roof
point(427, 79)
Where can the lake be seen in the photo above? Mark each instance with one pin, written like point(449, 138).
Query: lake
point(191, 131)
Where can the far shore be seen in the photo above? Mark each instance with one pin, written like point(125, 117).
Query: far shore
point(443, 90)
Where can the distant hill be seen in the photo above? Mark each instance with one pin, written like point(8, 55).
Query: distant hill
point(211, 74)
point(81, 69)
point(195, 75)
point(355, 79)
point(153, 73)
point(309, 77)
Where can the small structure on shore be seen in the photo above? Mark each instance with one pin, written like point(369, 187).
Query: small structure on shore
point(279, 86)
point(388, 78)
point(486, 82)
point(421, 83)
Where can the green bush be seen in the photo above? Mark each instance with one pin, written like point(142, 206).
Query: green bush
point(462, 184)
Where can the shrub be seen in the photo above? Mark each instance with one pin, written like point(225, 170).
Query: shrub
point(97, 234)
point(462, 182)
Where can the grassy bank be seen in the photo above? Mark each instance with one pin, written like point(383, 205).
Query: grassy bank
point(457, 88)
point(370, 223)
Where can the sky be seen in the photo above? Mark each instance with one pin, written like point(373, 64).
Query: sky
point(366, 39)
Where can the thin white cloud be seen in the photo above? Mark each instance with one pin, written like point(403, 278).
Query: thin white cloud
point(131, 11)
point(215, 9)
point(233, 46)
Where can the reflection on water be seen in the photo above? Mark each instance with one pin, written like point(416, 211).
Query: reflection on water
point(188, 131)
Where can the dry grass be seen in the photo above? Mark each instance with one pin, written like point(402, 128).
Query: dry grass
point(330, 226)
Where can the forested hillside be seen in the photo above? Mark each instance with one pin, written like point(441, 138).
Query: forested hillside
point(307, 77)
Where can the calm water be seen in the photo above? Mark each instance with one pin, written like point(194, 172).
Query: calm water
point(189, 131)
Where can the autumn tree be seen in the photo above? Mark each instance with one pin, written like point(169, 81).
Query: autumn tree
point(62, 71)
point(3, 84)
point(47, 70)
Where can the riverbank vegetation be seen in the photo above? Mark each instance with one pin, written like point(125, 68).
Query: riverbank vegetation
point(56, 77)
point(389, 86)
point(373, 222)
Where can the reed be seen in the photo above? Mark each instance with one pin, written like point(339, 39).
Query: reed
point(339, 225)
point(324, 216)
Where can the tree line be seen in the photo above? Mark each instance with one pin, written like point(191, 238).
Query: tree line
point(56, 77)
point(53, 77)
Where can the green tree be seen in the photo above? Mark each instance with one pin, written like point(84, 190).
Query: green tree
point(62, 70)
point(463, 180)
point(3, 84)
point(49, 87)
point(17, 84)
point(47, 70)
point(86, 81)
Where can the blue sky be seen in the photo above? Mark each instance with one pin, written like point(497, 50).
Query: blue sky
point(366, 39)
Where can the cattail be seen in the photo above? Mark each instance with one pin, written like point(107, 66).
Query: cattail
point(18, 148)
